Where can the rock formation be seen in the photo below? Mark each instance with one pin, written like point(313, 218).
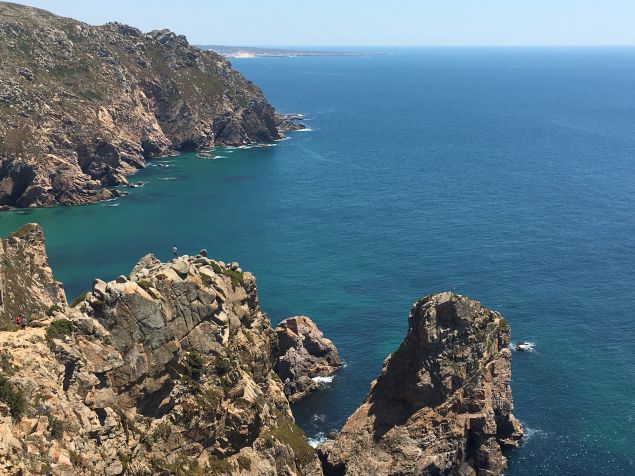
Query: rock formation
point(27, 285)
point(172, 371)
point(82, 107)
point(442, 404)
point(166, 371)
point(303, 354)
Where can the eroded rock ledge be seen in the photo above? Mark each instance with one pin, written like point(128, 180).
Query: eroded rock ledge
point(304, 354)
point(442, 404)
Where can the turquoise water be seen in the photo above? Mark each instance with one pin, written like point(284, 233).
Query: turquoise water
point(507, 175)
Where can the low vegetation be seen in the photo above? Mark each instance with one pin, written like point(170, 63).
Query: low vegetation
point(79, 299)
point(59, 329)
point(13, 397)
point(288, 433)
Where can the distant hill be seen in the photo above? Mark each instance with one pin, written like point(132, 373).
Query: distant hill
point(82, 107)
point(254, 52)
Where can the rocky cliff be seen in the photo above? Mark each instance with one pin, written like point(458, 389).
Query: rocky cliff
point(27, 285)
point(442, 404)
point(82, 107)
point(166, 371)
point(172, 370)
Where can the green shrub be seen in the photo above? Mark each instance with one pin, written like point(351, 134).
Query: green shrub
point(59, 329)
point(222, 365)
point(145, 284)
point(219, 466)
point(237, 277)
point(13, 397)
point(9, 327)
point(53, 309)
point(244, 463)
point(6, 367)
point(79, 299)
point(194, 366)
point(56, 427)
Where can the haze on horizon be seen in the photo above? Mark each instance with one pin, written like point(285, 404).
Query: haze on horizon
point(370, 22)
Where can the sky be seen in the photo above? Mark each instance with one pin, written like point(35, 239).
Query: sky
point(369, 22)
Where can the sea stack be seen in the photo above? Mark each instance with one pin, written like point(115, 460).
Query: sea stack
point(442, 404)
point(304, 355)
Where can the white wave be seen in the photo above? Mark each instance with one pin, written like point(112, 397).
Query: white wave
point(318, 418)
point(317, 440)
point(113, 205)
point(530, 433)
point(323, 380)
point(167, 178)
point(306, 129)
point(523, 346)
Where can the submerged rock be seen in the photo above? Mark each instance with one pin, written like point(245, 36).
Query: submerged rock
point(304, 354)
point(442, 404)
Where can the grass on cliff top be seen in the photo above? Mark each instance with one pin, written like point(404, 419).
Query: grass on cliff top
point(237, 278)
point(79, 299)
point(24, 231)
point(59, 329)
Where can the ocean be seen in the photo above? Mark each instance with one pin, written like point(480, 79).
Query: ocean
point(507, 175)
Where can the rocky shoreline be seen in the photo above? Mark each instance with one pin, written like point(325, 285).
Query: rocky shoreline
point(82, 107)
point(175, 369)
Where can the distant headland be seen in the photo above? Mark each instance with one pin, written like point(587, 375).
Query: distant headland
point(253, 52)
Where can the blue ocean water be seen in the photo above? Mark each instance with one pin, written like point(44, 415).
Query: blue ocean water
point(504, 174)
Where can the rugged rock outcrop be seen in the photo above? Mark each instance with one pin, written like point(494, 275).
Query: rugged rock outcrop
point(27, 285)
point(166, 371)
point(442, 404)
point(304, 354)
point(82, 107)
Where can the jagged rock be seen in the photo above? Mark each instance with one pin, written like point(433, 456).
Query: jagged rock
point(442, 404)
point(152, 373)
point(303, 354)
point(82, 106)
point(27, 285)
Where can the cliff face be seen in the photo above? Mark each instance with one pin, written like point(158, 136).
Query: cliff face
point(442, 404)
point(167, 371)
point(27, 285)
point(83, 106)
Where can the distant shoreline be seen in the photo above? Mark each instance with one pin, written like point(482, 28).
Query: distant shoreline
point(254, 52)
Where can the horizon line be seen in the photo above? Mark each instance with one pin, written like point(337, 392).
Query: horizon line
point(257, 45)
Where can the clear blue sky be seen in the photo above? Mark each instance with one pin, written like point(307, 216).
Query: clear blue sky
point(369, 22)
